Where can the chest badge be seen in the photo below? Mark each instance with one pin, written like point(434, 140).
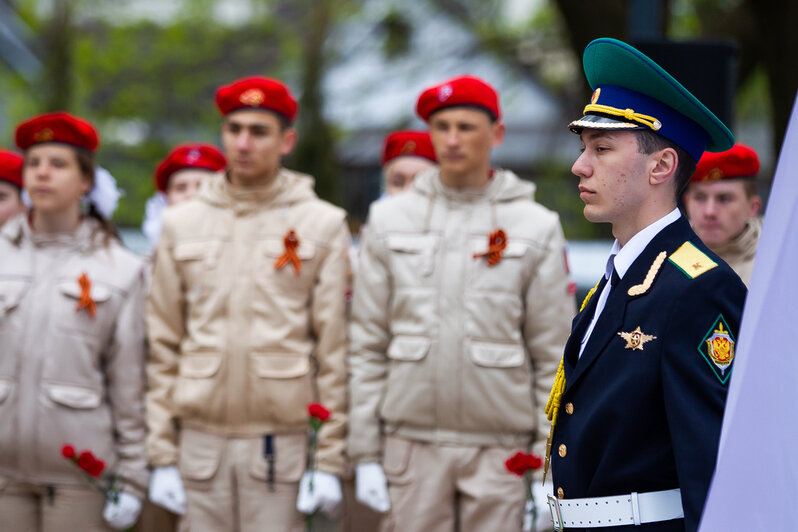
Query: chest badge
point(497, 241)
point(291, 242)
point(636, 339)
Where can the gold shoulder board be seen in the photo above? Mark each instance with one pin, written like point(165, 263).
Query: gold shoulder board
point(691, 260)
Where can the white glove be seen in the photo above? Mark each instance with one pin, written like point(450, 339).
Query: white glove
point(325, 496)
point(166, 489)
point(543, 521)
point(371, 487)
point(123, 513)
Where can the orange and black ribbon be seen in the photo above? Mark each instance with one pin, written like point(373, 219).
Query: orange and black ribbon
point(291, 242)
point(496, 244)
point(85, 296)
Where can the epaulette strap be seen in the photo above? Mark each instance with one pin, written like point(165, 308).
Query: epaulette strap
point(555, 396)
point(691, 260)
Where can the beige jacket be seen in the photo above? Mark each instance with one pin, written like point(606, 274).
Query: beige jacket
point(67, 377)
point(741, 250)
point(444, 347)
point(238, 347)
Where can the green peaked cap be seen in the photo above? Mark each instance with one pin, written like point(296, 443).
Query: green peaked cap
point(612, 62)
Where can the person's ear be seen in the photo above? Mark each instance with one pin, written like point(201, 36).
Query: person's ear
point(663, 167)
point(499, 130)
point(288, 141)
point(754, 206)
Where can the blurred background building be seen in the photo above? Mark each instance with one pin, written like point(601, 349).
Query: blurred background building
point(146, 71)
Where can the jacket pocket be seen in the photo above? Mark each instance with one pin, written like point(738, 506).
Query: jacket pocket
point(492, 355)
point(500, 371)
point(284, 287)
point(507, 275)
point(11, 294)
point(198, 262)
point(199, 457)
point(197, 390)
point(71, 413)
point(280, 389)
point(81, 322)
point(410, 390)
point(409, 348)
point(411, 256)
point(396, 460)
point(274, 249)
point(290, 458)
point(73, 396)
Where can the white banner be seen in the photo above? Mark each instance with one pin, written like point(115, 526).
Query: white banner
point(755, 487)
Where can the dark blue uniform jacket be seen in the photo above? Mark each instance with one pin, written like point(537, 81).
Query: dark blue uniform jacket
point(648, 420)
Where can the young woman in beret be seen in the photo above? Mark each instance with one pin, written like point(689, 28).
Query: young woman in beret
point(177, 179)
point(73, 345)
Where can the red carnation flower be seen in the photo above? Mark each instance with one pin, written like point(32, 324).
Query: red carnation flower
point(534, 461)
point(319, 412)
point(68, 451)
point(97, 467)
point(516, 464)
point(520, 463)
point(85, 460)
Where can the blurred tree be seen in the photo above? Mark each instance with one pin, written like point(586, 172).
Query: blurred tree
point(766, 35)
point(315, 150)
point(57, 45)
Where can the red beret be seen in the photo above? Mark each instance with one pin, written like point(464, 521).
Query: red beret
point(739, 161)
point(57, 127)
point(257, 93)
point(462, 91)
point(190, 155)
point(11, 167)
point(416, 143)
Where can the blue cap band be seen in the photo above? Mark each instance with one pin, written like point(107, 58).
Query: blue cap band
point(667, 122)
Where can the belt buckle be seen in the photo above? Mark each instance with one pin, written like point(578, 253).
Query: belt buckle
point(556, 514)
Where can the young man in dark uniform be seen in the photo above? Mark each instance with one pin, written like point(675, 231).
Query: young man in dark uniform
point(638, 402)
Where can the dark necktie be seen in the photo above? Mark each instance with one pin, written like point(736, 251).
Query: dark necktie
point(615, 280)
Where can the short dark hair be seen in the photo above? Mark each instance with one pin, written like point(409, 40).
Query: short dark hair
point(648, 142)
point(749, 186)
point(285, 123)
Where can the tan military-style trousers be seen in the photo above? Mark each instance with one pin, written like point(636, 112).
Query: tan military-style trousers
point(228, 485)
point(448, 488)
point(32, 508)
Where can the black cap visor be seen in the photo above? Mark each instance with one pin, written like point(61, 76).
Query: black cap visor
point(602, 122)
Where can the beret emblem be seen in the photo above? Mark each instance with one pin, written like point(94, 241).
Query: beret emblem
point(252, 97)
point(714, 174)
point(43, 135)
point(445, 92)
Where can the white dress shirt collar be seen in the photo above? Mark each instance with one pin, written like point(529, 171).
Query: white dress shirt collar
point(626, 255)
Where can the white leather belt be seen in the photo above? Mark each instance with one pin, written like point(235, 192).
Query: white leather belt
point(631, 509)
